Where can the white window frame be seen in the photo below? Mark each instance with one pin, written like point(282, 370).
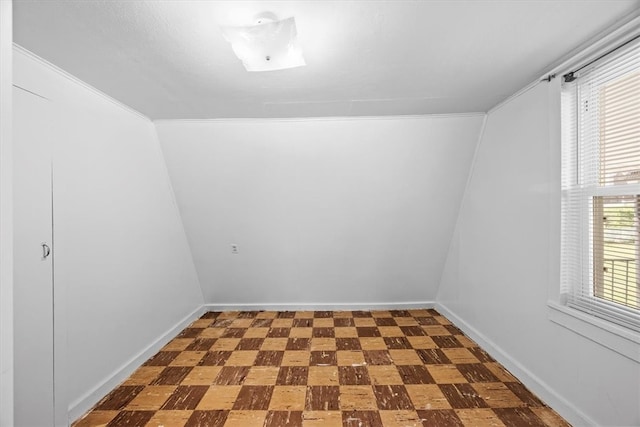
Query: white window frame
point(611, 335)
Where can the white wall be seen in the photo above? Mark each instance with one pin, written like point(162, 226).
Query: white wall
point(325, 211)
point(503, 266)
point(124, 276)
point(6, 224)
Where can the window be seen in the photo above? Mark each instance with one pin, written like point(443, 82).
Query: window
point(601, 188)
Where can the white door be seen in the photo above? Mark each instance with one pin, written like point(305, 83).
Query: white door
point(33, 267)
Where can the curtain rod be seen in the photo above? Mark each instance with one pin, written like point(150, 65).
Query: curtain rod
point(569, 77)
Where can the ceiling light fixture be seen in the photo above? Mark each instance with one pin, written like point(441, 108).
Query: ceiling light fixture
point(270, 44)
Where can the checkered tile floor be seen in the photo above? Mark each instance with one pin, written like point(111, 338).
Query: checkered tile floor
point(321, 369)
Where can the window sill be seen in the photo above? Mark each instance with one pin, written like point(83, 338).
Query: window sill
point(611, 336)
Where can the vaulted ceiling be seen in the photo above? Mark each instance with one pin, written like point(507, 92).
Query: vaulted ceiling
point(169, 60)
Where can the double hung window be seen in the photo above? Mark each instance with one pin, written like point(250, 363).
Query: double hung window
point(601, 188)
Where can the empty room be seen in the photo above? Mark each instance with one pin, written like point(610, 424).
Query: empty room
point(319, 213)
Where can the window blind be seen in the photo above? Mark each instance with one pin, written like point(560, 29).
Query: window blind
point(600, 242)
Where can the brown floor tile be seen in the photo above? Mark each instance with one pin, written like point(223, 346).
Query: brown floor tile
point(207, 419)
point(323, 333)
point(415, 374)
point(446, 341)
point(391, 368)
point(397, 343)
point(172, 375)
point(278, 332)
point(261, 323)
point(119, 398)
point(322, 398)
point(215, 358)
point(131, 419)
point(232, 375)
point(433, 356)
point(462, 396)
point(440, 418)
point(344, 322)
point(476, 373)
point(250, 344)
point(201, 344)
point(255, 398)
point(302, 323)
point(292, 375)
point(353, 375)
point(361, 419)
point(162, 358)
point(497, 395)
point(550, 417)
point(283, 419)
point(524, 394)
point(348, 344)
point(368, 331)
point(519, 417)
point(269, 358)
point(377, 357)
point(185, 397)
point(385, 321)
point(392, 397)
point(323, 358)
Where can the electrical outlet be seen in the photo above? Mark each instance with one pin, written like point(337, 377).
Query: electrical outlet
point(234, 249)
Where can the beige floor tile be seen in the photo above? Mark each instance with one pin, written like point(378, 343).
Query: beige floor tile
point(357, 397)
point(288, 398)
point(427, 396)
point(219, 398)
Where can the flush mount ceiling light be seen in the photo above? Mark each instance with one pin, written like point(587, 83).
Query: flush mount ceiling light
point(268, 45)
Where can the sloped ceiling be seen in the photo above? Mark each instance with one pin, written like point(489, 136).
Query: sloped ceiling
point(168, 59)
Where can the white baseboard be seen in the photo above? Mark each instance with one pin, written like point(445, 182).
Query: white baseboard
point(86, 402)
point(332, 306)
point(528, 378)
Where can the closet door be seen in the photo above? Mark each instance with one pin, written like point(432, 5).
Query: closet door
point(33, 254)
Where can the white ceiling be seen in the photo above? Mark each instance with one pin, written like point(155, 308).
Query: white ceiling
point(168, 59)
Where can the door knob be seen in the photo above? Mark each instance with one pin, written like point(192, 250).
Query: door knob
point(46, 251)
